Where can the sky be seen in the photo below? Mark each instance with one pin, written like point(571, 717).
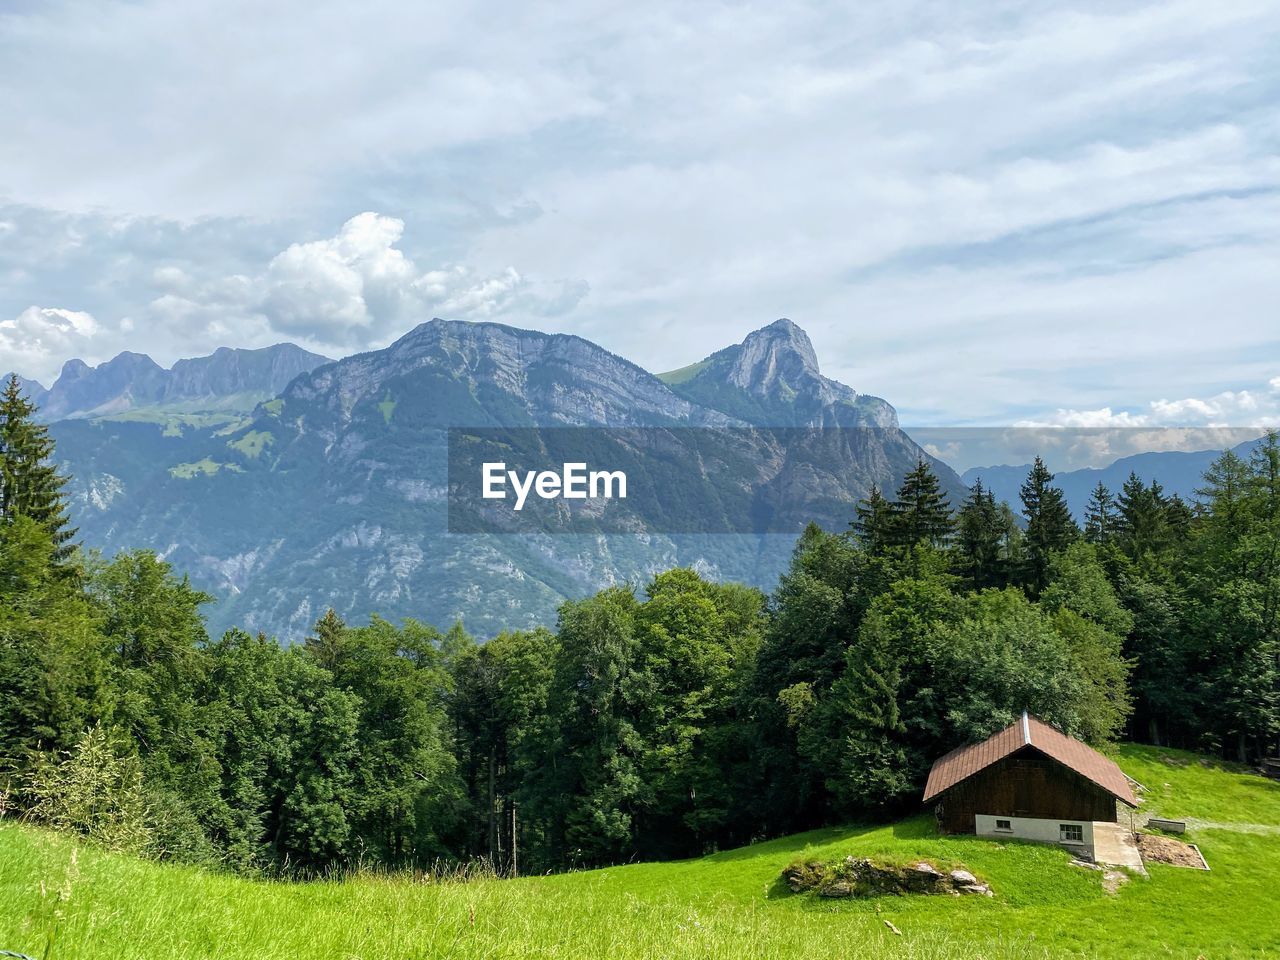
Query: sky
point(991, 214)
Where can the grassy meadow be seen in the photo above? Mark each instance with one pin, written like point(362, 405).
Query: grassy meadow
point(60, 899)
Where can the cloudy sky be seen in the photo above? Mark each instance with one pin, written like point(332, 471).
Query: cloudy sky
point(988, 213)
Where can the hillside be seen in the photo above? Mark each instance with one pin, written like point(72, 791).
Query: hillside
point(724, 905)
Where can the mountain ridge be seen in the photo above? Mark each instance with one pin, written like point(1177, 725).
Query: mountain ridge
point(1179, 472)
point(334, 493)
point(230, 378)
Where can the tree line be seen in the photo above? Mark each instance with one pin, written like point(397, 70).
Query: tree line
point(666, 721)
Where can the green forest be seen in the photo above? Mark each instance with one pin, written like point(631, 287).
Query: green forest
point(659, 720)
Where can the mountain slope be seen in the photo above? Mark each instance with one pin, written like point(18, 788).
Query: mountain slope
point(334, 492)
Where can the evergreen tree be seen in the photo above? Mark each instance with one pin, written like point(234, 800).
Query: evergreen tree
point(979, 539)
point(1050, 527)
point(1178, 518)
point(325, 647)
point(30, 484)
point(873, 522)
point(1144, 513)
point(921, 512)
point(1101, 519)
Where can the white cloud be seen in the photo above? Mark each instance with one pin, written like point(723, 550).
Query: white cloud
point(1243, 409)
point(357, 289)
point(1075, 438)
point(979, 211)
point(36, 341)
point(352, 291)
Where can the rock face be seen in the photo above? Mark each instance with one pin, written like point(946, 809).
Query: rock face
point(492, 374)
point(227, 379)
point(861, 877)
point(333, 492)
point(772, 378)
point(229, 372)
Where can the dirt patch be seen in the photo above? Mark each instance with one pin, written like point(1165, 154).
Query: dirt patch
point(1113, 880)
point(1156, 849)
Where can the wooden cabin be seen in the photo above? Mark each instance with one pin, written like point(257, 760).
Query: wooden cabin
point(1030, 782)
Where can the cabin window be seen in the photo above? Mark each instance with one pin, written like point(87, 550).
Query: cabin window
point(1004, 825)
point(1070, 833)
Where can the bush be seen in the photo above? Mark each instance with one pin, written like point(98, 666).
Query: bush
point(91, 790)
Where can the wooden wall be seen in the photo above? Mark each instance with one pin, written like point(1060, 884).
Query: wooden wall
point(1026, 784)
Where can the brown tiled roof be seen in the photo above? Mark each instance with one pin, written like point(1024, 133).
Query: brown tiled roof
point(964, 762)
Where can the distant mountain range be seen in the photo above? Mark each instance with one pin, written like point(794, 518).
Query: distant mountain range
point(1178, 472)
point(227, 379)
point(331, 491)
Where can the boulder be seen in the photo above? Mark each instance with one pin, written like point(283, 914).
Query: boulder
point(922, 878)
point(804, 876)
point(962, 878)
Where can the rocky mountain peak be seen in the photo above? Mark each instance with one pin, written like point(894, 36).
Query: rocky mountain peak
point(547, 378)
point(73, 369)
point(779, 353)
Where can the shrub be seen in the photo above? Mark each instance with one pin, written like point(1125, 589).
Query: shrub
point(91, 790)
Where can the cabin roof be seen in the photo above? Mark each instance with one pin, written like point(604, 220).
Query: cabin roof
point(962, 763)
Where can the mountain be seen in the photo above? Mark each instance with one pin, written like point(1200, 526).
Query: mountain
point(335, 492)
point(1176, 471)
point(772, 378)
point(33, 390)
point(228, 379)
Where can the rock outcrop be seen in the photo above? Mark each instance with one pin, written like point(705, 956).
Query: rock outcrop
point(862, 877)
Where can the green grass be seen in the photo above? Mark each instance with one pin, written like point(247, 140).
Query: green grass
point(387, 407)
point(684, 374)
point(200, 468)
point(726, 905)
point(252, 443)
point(174, 423)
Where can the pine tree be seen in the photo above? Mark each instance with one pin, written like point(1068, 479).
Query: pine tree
point(1050, 527)
point(979, 538)
point(1101, 519)
point(30, 484)
point(921, 512)
point(1143, 517)
point(1178, 517)
point(325, 647)
point(873, 521)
